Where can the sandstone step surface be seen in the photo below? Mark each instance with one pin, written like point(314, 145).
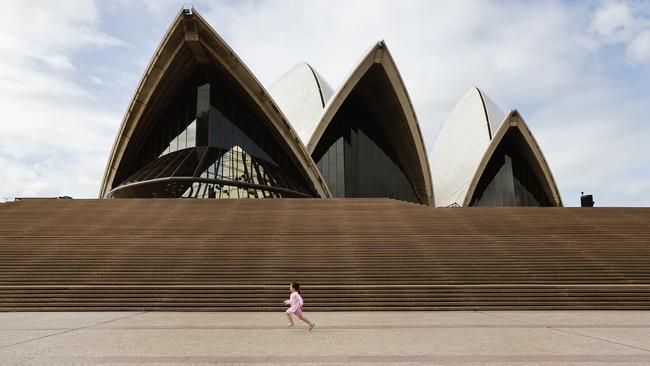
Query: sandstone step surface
point(349, 254)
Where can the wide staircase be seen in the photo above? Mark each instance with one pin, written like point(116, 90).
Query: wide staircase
point(349, 254)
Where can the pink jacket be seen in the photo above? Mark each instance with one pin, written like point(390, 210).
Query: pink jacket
point(295, 301)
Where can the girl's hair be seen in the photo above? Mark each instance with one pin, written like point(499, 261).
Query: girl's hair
point(296, 286)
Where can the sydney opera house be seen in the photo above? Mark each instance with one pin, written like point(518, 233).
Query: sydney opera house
point(364, 215)
point(200, 125)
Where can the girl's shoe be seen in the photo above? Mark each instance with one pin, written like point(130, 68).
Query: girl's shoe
point(312, 326)
point(290, 325)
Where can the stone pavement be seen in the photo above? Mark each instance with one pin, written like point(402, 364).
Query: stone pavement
point(340, 338)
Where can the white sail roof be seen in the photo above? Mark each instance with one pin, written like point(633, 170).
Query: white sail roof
point(461, 145)
point(467, 141)
point(495, 114)
point(191, 40)
point(301, 93)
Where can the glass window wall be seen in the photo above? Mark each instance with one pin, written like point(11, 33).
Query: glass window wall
point(509, 179)
point(357, 159)
point(211, 130)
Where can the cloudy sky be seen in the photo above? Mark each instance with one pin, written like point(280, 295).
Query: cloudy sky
point(578, 71)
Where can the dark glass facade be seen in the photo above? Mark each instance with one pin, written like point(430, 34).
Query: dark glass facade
point(509, 178)
point(211, 143)
point(356, 157)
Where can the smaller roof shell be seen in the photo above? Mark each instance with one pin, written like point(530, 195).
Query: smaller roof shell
point(461, 145)
point(301, 93)
point(539, 165)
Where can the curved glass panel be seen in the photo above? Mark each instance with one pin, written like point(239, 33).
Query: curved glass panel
point(233, 167)
point(509, 179)
point(239, 166)
point(171, 188)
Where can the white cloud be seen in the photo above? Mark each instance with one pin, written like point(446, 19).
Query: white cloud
point(52, 127)
point(626, 24)
point(95, 80)
point(510, 49)
point(639, 48)
point(613, 21)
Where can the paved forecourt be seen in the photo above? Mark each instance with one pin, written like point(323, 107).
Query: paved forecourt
point(439, 338)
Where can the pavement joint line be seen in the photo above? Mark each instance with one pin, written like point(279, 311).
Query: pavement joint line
point(53, 329)
point(70, 330)
point(351, 327)
point(602, 339)
point(563, 330)
point(34, 339)
point(347, 359)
